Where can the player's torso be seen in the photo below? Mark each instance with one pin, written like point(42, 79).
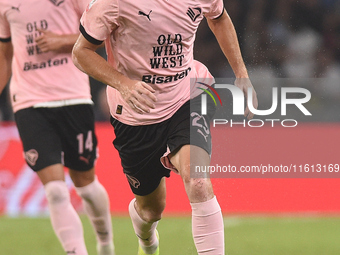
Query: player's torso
point(159, 36)
point(26, 17)
point(42, 76)
point(154, 43)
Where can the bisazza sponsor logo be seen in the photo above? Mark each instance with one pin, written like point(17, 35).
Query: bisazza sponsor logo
point(239, 103)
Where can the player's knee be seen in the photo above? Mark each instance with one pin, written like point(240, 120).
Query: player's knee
point(152, 213)
point(198, 189)
point(197, 183)
point(82, 178)
point(56, 192)
point(92, 191)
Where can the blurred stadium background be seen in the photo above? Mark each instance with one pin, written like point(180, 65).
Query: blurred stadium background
point(280, 40)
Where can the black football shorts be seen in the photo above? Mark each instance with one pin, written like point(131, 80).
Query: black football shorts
point(141, 147)
point(63, 135)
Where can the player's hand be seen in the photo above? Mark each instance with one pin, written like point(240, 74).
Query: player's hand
point(139, 95)
point(244, 84)
point(48, 41)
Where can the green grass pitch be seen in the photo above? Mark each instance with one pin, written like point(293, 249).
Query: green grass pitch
point(243, 236)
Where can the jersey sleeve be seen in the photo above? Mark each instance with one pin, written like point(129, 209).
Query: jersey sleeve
point(5, 32)
point(216, 9)
point(99, 20)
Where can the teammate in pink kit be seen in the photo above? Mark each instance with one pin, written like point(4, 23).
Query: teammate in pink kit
point(152, 92)
point(53, 111)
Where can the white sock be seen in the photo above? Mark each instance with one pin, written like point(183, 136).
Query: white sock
point(97, 207)
point(65, 220)
point(208, 227)
point(145, 231)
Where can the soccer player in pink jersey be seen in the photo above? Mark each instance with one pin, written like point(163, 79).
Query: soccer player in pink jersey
point(154, 103)
point(53, 111)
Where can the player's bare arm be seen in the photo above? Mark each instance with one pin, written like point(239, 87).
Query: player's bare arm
point(49, 41)
point(225, 34)
point(139, 95)
point(6, 54)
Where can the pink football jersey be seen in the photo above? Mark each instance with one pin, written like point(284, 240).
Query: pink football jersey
point(39, 77)
point(153, 42)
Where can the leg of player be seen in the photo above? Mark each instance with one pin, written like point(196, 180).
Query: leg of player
point(65, 220)
point(207, 220)
point(145, 212)
point(97, 207)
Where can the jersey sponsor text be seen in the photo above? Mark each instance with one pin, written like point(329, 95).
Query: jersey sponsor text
point(45, 64)
point(158, 79)
point(169, 52)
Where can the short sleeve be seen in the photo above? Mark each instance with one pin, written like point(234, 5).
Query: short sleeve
point(5, 32)
point(216, 9)
point(99, 19)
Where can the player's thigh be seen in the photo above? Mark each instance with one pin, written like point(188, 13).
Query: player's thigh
point(41, 142)
point(188, 159)
point(140, 149)
point(51, 173)
point(82, 178)
point(153, 204)
point(189, 137)
point(190, 145)
point(79, 141)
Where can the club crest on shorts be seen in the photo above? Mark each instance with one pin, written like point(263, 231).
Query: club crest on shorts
point(31, 157)
point(133, 181)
